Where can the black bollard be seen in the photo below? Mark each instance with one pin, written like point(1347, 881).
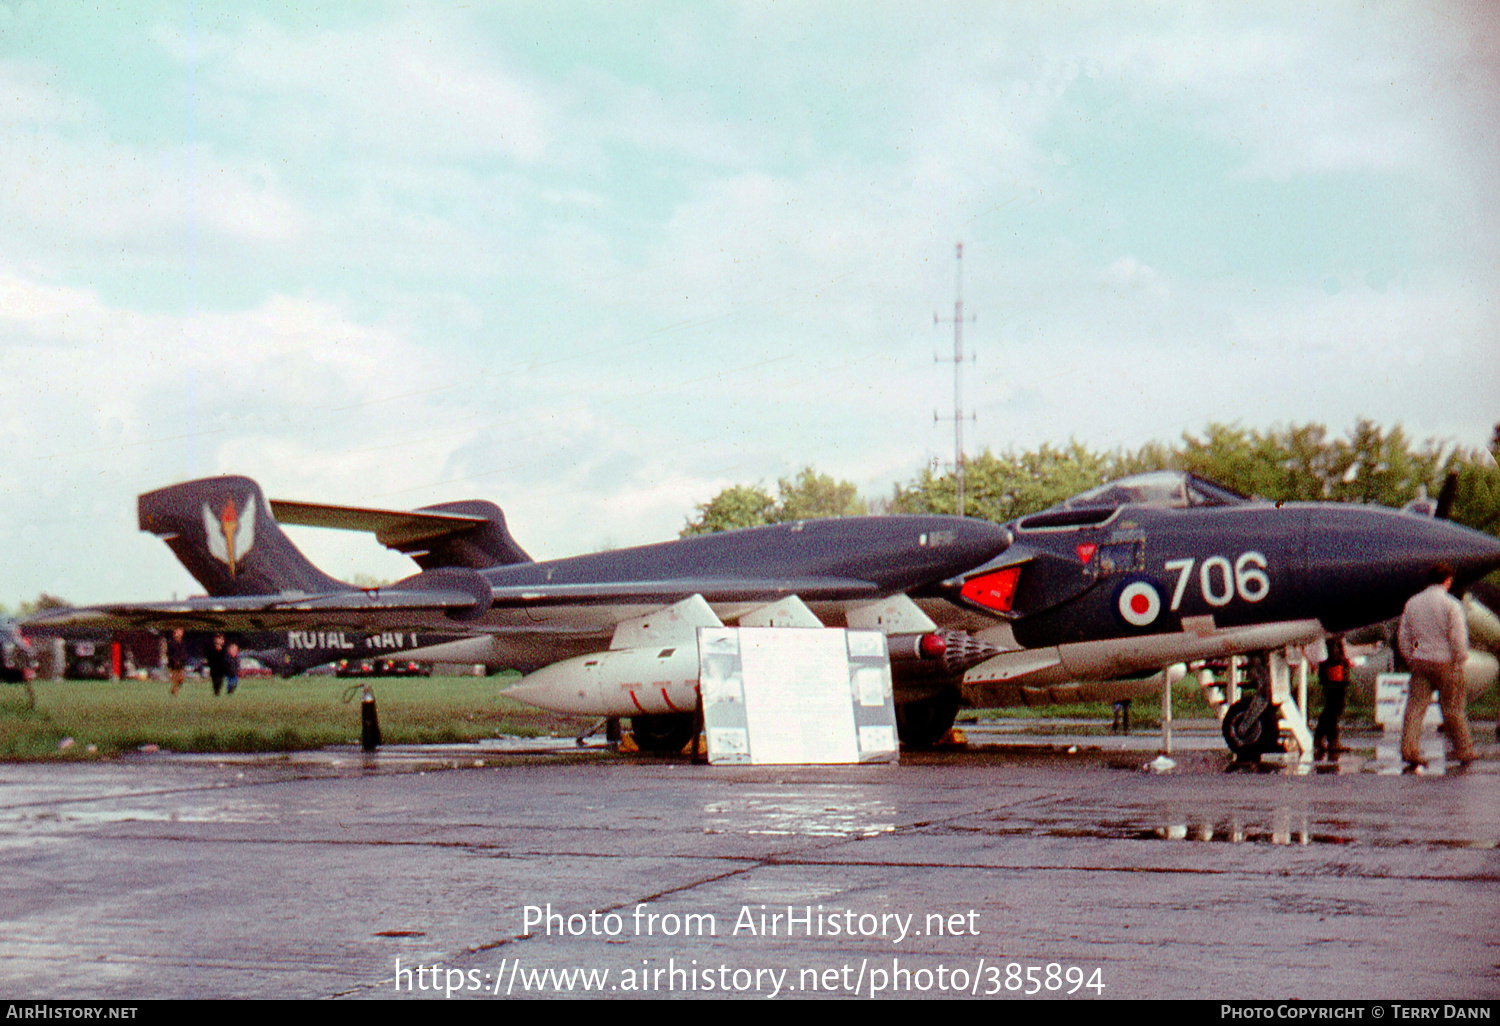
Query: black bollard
point(700, 743)
point(369, 722)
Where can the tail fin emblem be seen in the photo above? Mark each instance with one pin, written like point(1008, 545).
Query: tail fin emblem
point(230, 532)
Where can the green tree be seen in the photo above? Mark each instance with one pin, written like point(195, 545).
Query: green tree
point(1310, 463)
point(735, 507)
point(44, 601)
point(1476, 503)
point(1151, 456)
point(810, 495)
point(805, 497)
point(1244, 460)
point(1003, 487)
point(1300, 463)
point(1380, 466)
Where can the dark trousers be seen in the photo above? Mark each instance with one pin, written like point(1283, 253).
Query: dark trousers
point(1327, 730)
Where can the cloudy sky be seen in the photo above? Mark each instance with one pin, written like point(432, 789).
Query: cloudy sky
point(596, 261)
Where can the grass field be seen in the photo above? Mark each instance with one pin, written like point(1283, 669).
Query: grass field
point(265, 714)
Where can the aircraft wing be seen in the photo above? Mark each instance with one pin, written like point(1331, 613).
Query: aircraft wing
point(450, 600)
point(263, 613)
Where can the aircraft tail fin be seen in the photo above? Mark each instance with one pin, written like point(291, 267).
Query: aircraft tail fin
point(1440, 508)
point(222, 531)
point(486, 544)
point(469, 534)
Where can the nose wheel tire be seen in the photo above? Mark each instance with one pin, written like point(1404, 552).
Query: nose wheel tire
point(1251, 728)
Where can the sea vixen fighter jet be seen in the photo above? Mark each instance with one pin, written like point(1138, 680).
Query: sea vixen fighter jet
point(1121, 580)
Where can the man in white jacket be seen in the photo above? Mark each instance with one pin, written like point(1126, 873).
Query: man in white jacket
point(1434, 638)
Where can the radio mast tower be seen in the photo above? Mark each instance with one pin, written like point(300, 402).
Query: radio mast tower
point(958, 380)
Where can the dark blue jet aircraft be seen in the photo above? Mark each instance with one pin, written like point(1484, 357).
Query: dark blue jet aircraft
point(1119, 581)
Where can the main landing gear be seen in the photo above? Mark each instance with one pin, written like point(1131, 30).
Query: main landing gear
point(923, 722)
point(663, 733)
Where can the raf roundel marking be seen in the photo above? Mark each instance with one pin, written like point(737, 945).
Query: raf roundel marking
point(1139, 603)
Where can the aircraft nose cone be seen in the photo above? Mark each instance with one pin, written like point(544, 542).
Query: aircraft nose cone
point(1470, 553)
point(1364, 562)
point(1477, 555)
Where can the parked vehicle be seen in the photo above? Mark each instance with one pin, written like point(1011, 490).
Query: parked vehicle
point(383, 668)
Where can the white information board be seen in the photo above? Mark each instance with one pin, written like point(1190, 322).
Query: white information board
point(774, 695)
point(1390, 702)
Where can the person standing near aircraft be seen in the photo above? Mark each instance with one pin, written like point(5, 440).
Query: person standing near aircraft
point(176, 659)
point(231, 668)
point(1333, 675)
point(215, 660)
point(1434, 638)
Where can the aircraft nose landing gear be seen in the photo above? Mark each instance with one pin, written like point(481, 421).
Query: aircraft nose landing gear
point(1251, 725)
point(1251, 728)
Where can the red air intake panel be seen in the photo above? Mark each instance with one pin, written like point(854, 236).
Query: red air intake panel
point(993, 591)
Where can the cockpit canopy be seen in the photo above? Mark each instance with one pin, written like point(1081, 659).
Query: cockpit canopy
point(1161, 489)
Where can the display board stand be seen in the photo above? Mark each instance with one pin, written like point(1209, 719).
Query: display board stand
point(788, 696)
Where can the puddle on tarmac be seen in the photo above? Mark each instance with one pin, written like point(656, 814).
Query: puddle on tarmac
point(814, 812)
point(226, 812)
point(1279, 830)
